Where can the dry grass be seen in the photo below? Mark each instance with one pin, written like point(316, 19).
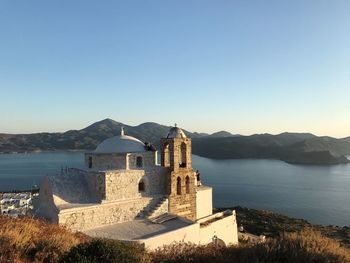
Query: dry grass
point(30, 240)
point(262, 222)
point(304, 246)
point(313, 242)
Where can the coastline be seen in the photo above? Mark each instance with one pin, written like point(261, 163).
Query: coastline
point(342, 161)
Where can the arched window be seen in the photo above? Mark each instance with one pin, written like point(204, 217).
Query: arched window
point(178, 186)
point(139, 161)
point(141, 186)
point(183, 152)
point(90, 162)
point(187, 184)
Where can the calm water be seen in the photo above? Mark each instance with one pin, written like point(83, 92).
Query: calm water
point(320, 194)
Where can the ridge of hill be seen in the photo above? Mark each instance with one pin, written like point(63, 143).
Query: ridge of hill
point(298, 148)
point(301, 148)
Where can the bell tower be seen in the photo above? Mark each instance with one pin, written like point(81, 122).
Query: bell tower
point(176, 153)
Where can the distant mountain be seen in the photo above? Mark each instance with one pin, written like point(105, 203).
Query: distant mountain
point(221, 134)
point(303, 148)
point(84, 139)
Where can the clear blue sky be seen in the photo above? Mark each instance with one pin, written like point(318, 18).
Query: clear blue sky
point(242, 66)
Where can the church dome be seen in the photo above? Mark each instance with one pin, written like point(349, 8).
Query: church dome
point(176, 132)
point(121, 144)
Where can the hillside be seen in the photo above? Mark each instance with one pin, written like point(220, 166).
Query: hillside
point(263, 222)
point(289, 240)
point(301, 148)
point(289, 147)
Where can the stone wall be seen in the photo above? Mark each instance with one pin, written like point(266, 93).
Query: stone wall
point(97, 185)
point(88, 217)
point(119, 184)
point(149, 159)
point(110, 161)
point(176, 151)
point(114, 161)
point(183, 204)
point(157, 180)
point(123, 184)
point(176, 154)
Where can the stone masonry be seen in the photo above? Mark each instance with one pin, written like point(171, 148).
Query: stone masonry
point(87, 217)
point(183, 204)
point(181, 188)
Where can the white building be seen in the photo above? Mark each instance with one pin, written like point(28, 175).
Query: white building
point(124, 194)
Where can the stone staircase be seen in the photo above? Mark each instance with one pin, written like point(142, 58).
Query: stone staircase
point(157, 207)
point(160, 209)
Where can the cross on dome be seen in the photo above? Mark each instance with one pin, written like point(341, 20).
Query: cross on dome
point(176, 132)
point(121, 144)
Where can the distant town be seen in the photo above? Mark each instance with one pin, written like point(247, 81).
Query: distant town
point(18, 203)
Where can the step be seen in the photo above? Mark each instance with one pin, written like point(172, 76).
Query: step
point(163, 218)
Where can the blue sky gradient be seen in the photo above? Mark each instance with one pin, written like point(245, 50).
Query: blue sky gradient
point(242, 66)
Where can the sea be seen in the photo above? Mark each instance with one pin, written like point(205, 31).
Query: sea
point(319, 194)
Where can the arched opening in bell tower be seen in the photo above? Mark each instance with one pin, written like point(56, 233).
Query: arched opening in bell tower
point(178, 186)
point(183, 155)
point(187, 184)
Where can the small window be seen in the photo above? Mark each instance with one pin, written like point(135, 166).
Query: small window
point(178, 186)
point(90, 162)
point(187, 184)
point(141, 186)
point(139, 161)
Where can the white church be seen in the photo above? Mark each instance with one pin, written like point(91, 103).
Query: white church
point(123, 193)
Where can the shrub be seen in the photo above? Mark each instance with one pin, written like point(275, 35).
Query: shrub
point(107, 251)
